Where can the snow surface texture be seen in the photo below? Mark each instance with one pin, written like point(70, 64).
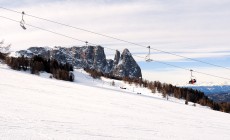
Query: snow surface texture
point(39, 108)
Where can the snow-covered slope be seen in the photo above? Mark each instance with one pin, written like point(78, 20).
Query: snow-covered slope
point(39, 108)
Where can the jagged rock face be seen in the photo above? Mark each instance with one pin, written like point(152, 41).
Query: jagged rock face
point(42, 51)
point(127, 67)
point(62, 55)
point(99, 59)
point(109, 66)
point(117, 57)
point(92, 57)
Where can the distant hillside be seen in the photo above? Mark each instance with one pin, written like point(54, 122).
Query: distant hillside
point(220, 97)
point(216, 93)
point(213, 89)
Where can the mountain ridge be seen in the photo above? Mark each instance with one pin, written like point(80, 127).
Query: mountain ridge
point(90, 57)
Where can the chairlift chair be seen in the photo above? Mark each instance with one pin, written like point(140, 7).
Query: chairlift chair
point(22, 22)
point(147, 58)
point(193, 79)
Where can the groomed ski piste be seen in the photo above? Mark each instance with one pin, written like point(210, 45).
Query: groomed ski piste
point(39, 108)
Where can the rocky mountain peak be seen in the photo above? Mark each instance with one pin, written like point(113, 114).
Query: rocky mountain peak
point(117, 57)
point(128, 66)
point(92, 57)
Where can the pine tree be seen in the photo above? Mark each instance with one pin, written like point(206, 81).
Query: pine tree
point(113, 83)
point(187, 98)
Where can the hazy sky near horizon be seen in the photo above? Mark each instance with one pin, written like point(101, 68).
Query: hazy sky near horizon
point(194, 28)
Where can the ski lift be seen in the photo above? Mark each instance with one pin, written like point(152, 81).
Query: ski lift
point(193, 79)
point(86, 43)
point(22, 22)
point(147, 58)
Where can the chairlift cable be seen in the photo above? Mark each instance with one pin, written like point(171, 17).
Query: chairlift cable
point(203, 73)
point(118, 39)
point(47, 30)
point(115, 49)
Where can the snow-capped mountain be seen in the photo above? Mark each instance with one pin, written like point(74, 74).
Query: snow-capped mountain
point(92, 57)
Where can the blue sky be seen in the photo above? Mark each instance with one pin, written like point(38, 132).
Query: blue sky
point(194, 28)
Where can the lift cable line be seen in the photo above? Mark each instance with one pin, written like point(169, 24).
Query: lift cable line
point(46, 30)
point(178, 67)
point(118, 39)
point(73, 38)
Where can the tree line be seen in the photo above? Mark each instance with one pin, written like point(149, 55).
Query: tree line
point(188, 94)
point(3, 56)
point(38, 64)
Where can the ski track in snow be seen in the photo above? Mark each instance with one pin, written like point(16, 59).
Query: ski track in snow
point(38, 108)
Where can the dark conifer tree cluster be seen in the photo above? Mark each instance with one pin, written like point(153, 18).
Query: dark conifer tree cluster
point(38, 64)
point(20, 63)
point(97, 75)
point(93, 73)
point(3, 56)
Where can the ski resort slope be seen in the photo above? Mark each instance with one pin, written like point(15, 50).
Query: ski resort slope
point(38, 108)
